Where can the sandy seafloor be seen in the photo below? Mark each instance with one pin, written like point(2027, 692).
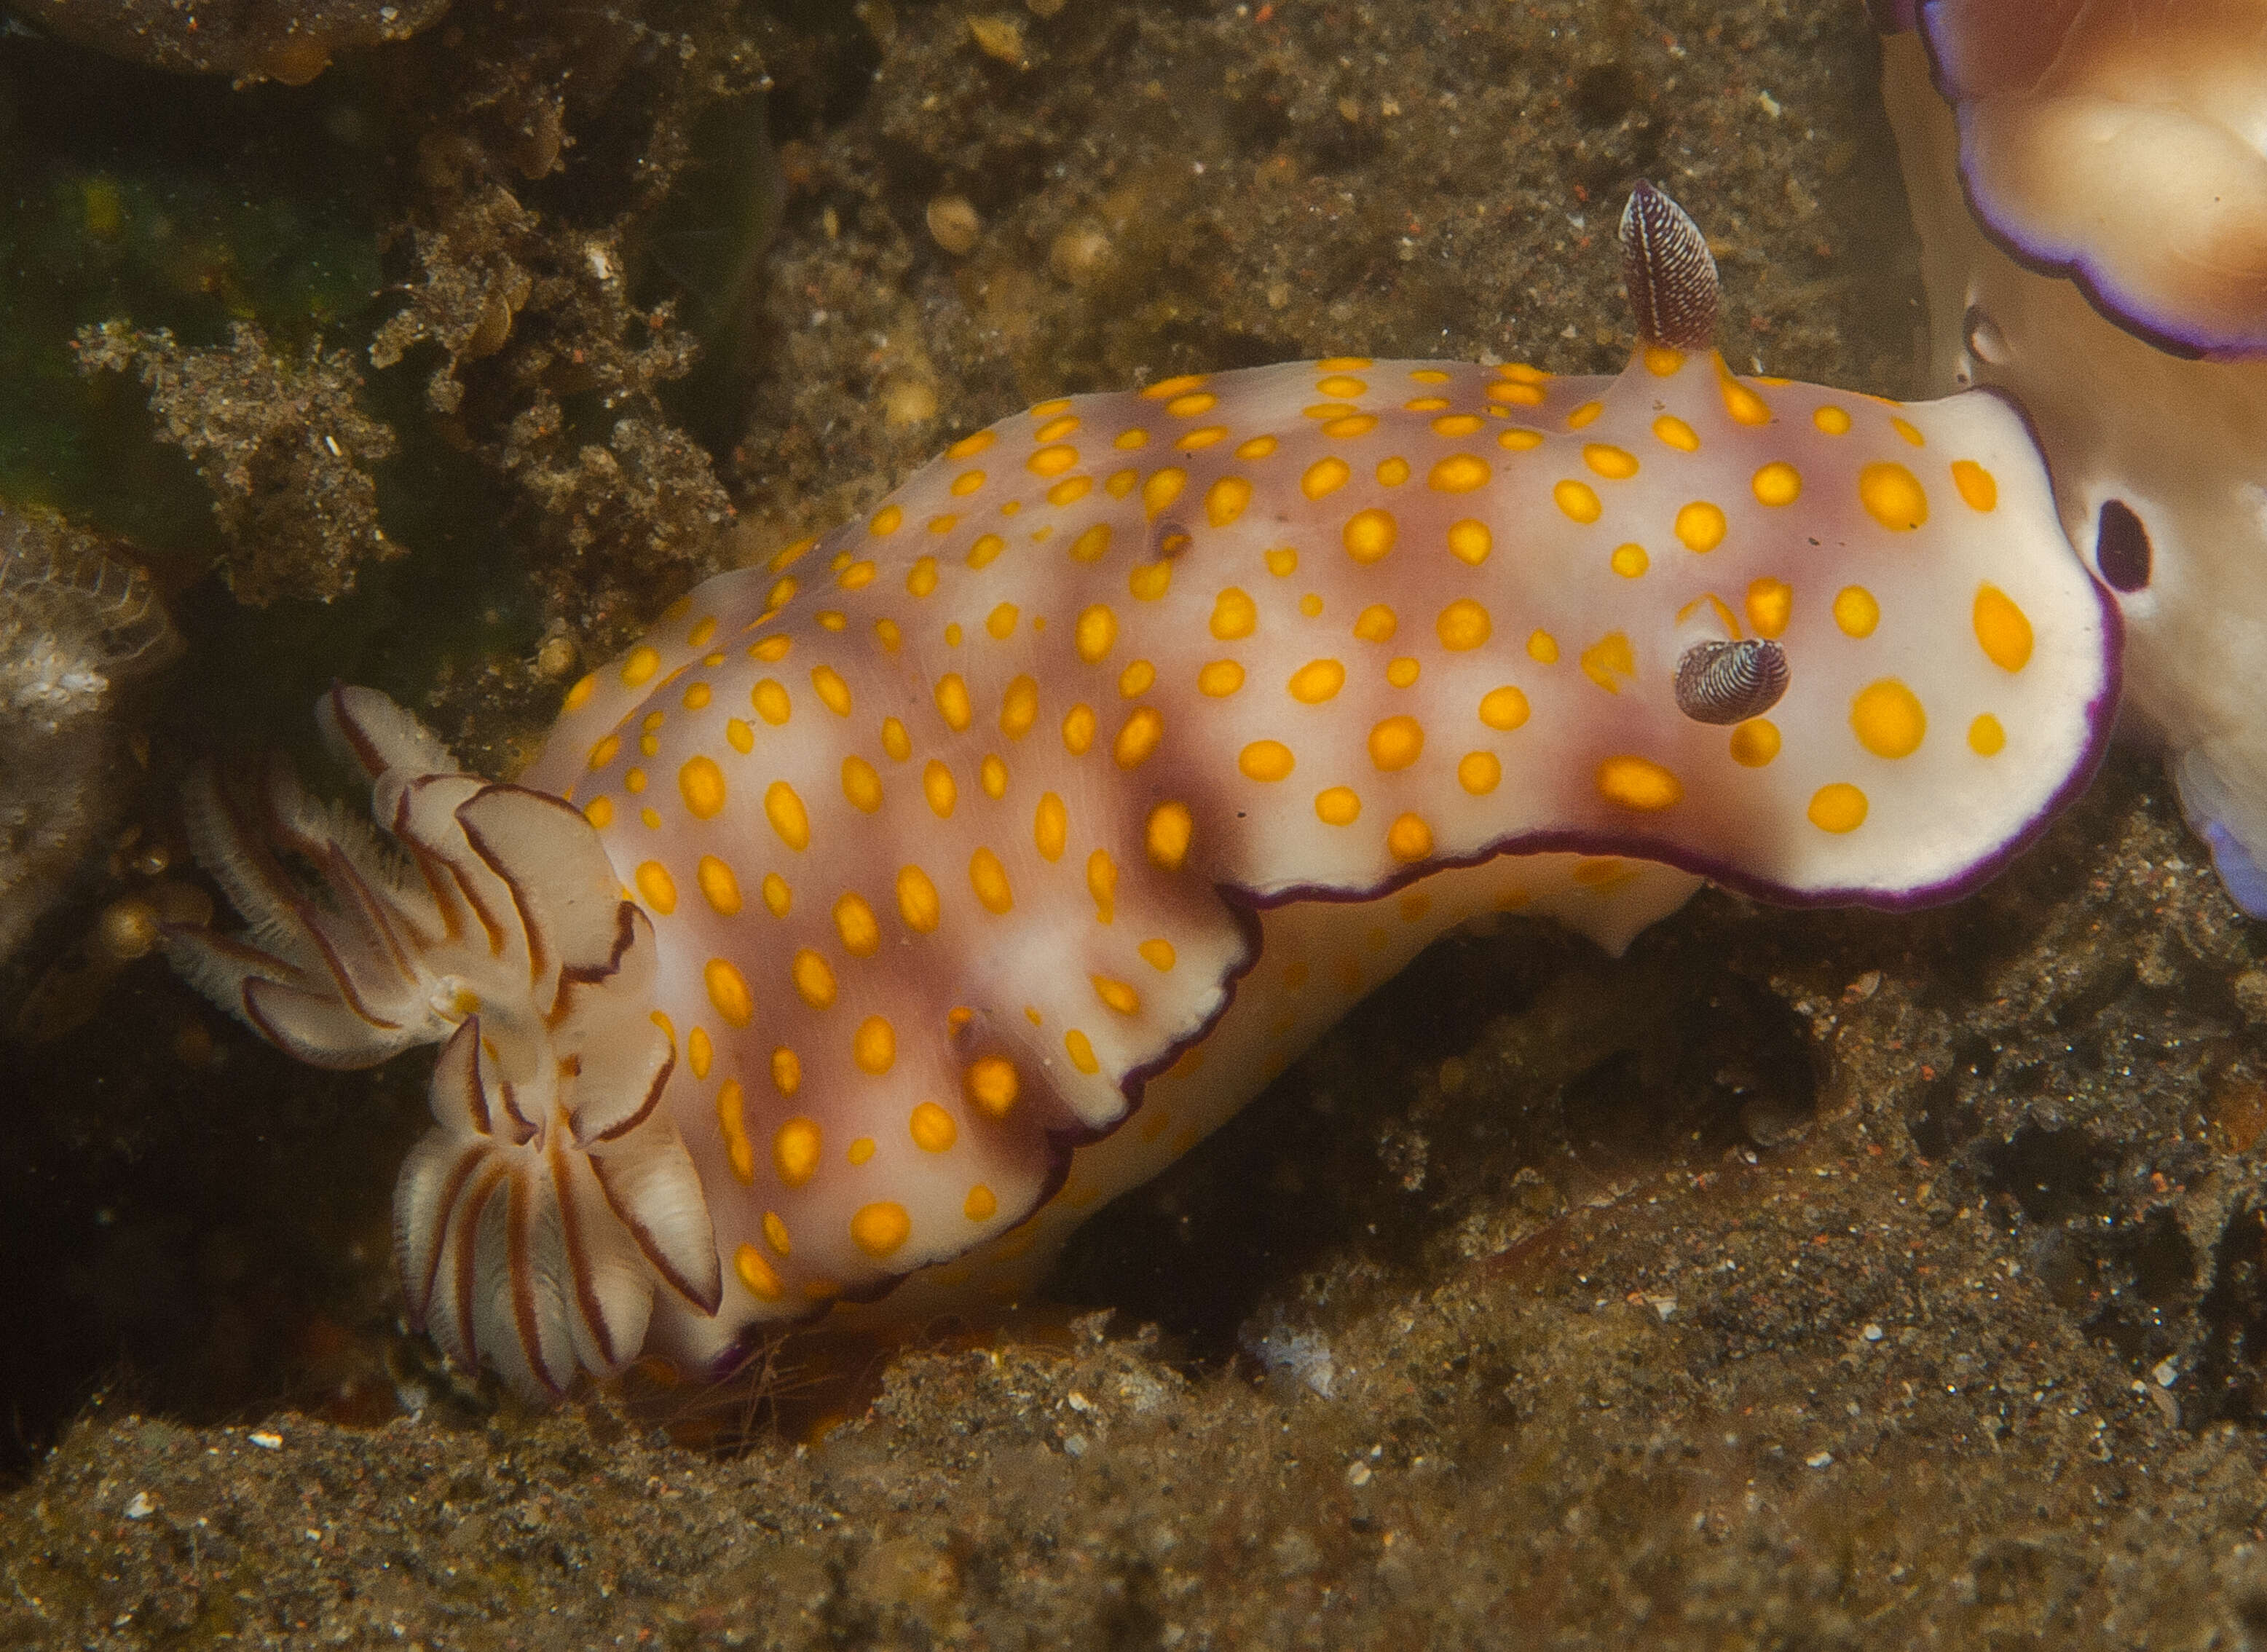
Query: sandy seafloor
point(1799, 1281)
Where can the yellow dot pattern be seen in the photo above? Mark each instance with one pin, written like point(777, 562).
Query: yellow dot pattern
point(1334, 637)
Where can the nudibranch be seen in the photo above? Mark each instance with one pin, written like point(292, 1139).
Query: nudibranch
point(899, 900)
point(2093, 213)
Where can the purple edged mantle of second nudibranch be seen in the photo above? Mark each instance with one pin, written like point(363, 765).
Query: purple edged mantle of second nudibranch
point(897, 901)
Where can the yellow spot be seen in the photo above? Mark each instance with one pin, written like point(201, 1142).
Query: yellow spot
point(650, 818)
point(1080, 1047)
point(981, 1203)
point(1543, 647)
point(1608, 658)
point(731, 1123)
point(657, 887)
point(1856, 611)
point(1663, 361)
point(771, 650)
point(777, 897)
point(1139, 737)
point(776, 1234)
point(1770, 605)
point(1338, 806)
point(1518, 439)
point(1839, 807)
point(1001, 622)
point(2002, 628)
point(992, 775)
point(1674, 432)
point(1374, 624)
point(789, 818)
point(921, 579)
point(1316, 681)
point(1220, 678)
point(861, 785)
point(1700, 526)
point(699, 1051)
point(1409, 839)
point(1051, 461)
point(1833, 420)
point(1892, 496)
point(1019, 708)
point(1743, 404)
point(1393, 472)
point(1396, 743)
point(1102, 884)
point(853, 921)
point(779, 596)
point(579, 696)
point(1258, 448)
point(1459, 474)
point(698, 696)
point(1202, 437)
point(1054, 429)
point(1977, 485)
point(1586, 414)
point(1464, 623)
point(1234, 614)
point(1136, 679)
point(742, 737)
point(1158, 953)
point(1615, 465)
point(1150, 581)
point(1369, 534)
point(937, 787)
point(638, 667)
point(874, 1046)
point(932, 1129)
point(1778, 483)
point(1503, 708)
point(988, 546)
point(770, 702)
point(991, 1086)
point(879, 1228)
point(727, 991)
point(1117, 995)
point(1167, 834)
point(1630, 560)
point(953, 702)
point(895, 740)
point(1754, 743)
point(1266, 760)
point(634, 779)
point(1095, 631)
point(1325, 476)
point(605, 751)
point(969, 446)
point(1402, 673)
point(886, 521)
point(1078, 730)
point(1340, 387)
point(787, 1071)
point(1190, 405)
point(1985, 737)
point(1225, 499)
point(1888, 719)
point(1311, 605)
point(966, 483)
point(1905, 430)
point(856, 576)
point(1638, 783)
point(813, 977)
point(718, 885)
point(1479, 773)
point(1091, 544)
point(756, 1273)
point(1578, 500)
point(989, 879)
point(1469, 541)
point(1161, 487)
point(1051, 827)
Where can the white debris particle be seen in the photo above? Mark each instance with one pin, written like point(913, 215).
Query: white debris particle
point(140, 1506)
point(266, 1439)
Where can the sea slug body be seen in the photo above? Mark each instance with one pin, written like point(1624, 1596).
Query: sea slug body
point(895, 903)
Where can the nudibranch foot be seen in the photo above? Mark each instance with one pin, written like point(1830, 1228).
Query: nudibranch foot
point(907, 896)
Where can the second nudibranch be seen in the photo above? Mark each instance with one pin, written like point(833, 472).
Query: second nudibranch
point(949, 874)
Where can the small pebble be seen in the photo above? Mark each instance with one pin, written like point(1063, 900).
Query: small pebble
point(266, 1440)
point(1872, 1333)
point(1357, 1474)
point(954, 224)
point(908, 401)
point(1819, 1460)
point(140, 1506)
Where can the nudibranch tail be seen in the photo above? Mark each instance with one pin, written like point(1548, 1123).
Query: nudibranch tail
point(535, 1222)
